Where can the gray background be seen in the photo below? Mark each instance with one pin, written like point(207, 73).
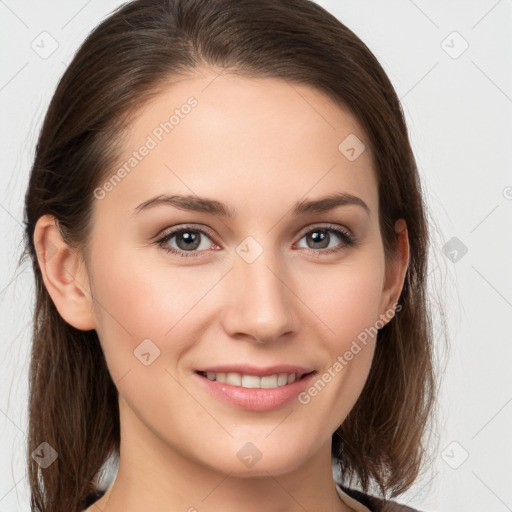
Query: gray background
point(458, 104)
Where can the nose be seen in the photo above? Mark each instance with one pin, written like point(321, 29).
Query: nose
point(260, 304)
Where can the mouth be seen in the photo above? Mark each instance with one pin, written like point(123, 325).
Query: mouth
point(273, 388)
point(250, 381)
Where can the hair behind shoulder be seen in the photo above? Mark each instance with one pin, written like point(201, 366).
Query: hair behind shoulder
point(129, 57)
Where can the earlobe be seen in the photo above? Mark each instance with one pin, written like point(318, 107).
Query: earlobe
point(397, 269)
point(64, 275)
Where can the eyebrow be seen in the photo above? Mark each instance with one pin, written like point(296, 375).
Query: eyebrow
point(214, 207)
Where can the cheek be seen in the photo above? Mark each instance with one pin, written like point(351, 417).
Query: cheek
point(128, 305)
point(139, 298)
point(346, 297)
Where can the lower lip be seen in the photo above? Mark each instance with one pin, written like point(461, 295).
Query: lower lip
point(256, 399)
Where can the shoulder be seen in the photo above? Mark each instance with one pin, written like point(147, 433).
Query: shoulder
point(376, 504)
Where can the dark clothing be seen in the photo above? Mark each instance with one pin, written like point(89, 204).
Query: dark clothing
point(91, 498)
point(376, 504)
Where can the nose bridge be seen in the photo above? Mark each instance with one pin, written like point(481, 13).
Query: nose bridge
point(260, 304)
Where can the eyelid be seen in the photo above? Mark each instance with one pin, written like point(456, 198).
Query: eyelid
point(208, 231)
point(183, 227)
point(325, 225)
point(166, 235)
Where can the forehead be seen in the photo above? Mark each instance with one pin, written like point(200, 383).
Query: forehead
point(244, 141)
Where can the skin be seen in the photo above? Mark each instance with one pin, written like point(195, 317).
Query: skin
point(258, 145)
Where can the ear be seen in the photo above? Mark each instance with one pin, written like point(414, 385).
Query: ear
point(395, 270)
point(64, 275)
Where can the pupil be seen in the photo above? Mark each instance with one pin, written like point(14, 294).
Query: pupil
point(318, 238)
point(191, 240)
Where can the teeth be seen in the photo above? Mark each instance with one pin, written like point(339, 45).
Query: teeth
point(234, 379)
point(253, 381)
point(250, 381)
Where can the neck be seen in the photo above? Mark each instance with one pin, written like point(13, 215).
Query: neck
point(154, 476)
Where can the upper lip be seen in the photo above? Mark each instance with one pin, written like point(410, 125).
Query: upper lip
point(247, 369)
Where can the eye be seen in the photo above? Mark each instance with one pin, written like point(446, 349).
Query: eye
point(188, 240)
point(192, 240)
point(320, 238)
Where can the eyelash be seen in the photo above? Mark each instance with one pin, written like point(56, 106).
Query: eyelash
point(349, 240)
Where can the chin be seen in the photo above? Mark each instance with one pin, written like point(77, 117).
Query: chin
point(275, 465)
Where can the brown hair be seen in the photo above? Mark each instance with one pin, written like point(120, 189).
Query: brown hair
point(127, 59)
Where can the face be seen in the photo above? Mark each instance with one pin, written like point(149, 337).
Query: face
point(241, 276)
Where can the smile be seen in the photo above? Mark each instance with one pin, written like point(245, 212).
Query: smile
point(253, 381)
point(255, 392)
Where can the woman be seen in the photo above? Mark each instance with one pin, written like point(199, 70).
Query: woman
point(229, 242)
